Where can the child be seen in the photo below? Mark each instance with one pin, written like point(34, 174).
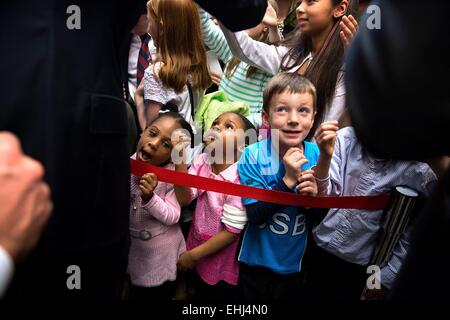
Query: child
point(275, 239)
point(176, 82)
point(156, 238)
point(218, 218)
point(325, 29)
point(346, 238)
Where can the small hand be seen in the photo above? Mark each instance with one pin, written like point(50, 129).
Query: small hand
point(147, 184)
point(185, 261)
point(307, 185)
point(270, 18)
point(180, 141)
point(349, 27)
point(326, 137)
point(293, 160)
point(215, 77)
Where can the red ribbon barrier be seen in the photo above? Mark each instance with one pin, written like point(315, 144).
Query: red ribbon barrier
point(291, 199)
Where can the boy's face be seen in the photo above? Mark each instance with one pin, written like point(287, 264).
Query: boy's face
point(293, 115)
point(155, 145)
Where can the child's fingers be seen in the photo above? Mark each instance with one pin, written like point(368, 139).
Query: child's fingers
point(309, 191)
point(144, 190)
point(327, 133)
point(351, 24)
point(305, 184)
point(329, 123)
point(354, 22)
point(143, 183)
point(344, 39)
point(345, 29)
point(292, 151)
point(329, 127)
point(298, 164)
point(329, 137)
point(148, 177)
point(308, 176)
point(149, 185)
point(309, 181)
point(152, 178)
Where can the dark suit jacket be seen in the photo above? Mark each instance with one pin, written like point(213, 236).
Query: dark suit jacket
point(62, 95)
point(399, 102)
point(236, 14)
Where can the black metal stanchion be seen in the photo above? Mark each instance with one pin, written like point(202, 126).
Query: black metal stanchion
point(395, 219)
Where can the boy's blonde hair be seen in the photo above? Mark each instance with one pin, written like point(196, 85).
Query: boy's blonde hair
point(288, 82)
point(180, 44)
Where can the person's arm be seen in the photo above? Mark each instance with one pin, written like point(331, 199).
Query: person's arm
point(390, 271)
point(156, 94)
point(214, 38)
point(325, 138)
point(183, 194)
point(152, 109)
point(219, 241)
point(270, 21)
point(166, 211)
point(258, 54)
point(329, 172)
point(140, 106)
point(233, 219)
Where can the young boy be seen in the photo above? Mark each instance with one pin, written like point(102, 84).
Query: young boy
point(346, 238)
point(275, 239)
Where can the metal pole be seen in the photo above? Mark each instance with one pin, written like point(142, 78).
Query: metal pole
point(395, 219)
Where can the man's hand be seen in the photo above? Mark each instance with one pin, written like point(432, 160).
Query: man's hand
point(148, 183)
point(25, 203)
point(293, 160)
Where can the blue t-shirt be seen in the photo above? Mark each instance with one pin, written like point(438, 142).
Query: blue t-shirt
point(280, 243)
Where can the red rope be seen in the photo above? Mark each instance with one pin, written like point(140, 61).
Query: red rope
point(286, 198)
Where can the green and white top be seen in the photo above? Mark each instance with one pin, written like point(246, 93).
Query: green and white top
point(238, 87)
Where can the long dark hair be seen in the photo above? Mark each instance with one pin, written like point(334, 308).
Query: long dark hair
point(325, 66)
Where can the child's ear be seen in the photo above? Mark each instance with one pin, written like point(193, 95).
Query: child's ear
point(265, 118)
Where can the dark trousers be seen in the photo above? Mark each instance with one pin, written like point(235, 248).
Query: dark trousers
point(262, 284)
point(329, 277)
point(162, 293)
point(102, 273)
point(220, 292)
